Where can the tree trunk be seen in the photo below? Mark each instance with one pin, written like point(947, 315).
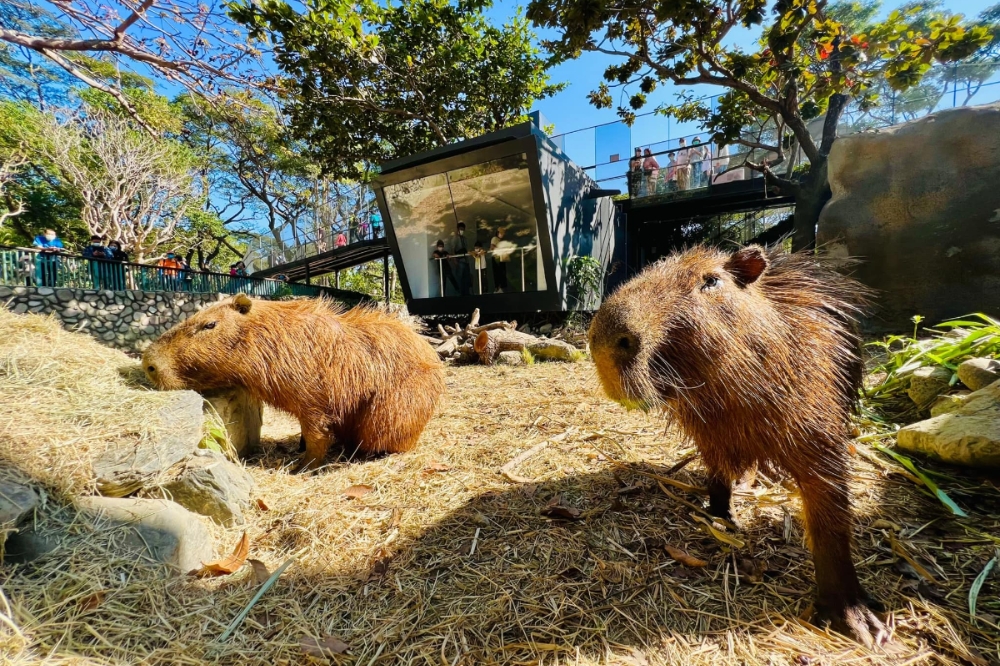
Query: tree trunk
point(812, 196)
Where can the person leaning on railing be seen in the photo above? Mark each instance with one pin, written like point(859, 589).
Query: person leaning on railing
point(47, 267)
point(97, 255)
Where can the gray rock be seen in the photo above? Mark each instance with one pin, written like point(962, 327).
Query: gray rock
point(927, 383)
point(108, 337)
point(5, 292)
point(64, 295)
point(949, 403)
point(545, 329)
point(967, 434)
point(212, 486)
point(20, 291)
point(127, 469)
point(34, 304)
point(510, 358)
point(17, 502)
point(978, 373)
point(242, 415)
point(160, 529)
point(149, 330)
point(20, 308)
point(45, 291)
point(28, 544)
point(71, 312)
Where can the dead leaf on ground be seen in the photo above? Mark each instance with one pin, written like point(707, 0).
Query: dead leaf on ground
point(556, 509)
point(397, 515)
point(262, 506)
point(359, 490)
point(228, 564)
point(325, 647)
point(93, 600)
point(436, 467)
point(260, 571)
point(685, 559)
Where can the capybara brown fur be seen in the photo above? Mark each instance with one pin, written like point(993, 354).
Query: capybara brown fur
point(362, 379)
point(754, 355)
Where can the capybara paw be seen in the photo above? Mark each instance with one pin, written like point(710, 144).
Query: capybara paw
point(857, 621)
point(306, 464)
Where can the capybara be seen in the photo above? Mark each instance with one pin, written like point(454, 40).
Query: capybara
point(361, 378)
point(754, 355)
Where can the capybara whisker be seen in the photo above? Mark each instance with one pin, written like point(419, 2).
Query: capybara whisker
point(758, 362)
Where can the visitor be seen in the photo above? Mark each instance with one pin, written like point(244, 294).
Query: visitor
point(187, 274)
point(118, 259)
point(652, 169)
point(376, 224)
point(460, 260)
point(635, 173)
point(440, 255)
point(47, 267)
point(169, 272)
point(97, 255)
point(672, 171)
point(697, 154)
point(722, 161)
point(26, 269)
point(479, 257)
point(363, 229)
point(683, 166)
point(340, 241)
point(501, 255)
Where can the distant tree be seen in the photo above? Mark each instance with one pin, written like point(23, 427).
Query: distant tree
point(807, 64)
point(365, 81)
point(25, 74)
point(186, 42)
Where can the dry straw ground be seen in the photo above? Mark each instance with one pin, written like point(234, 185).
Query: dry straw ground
point(563, 560)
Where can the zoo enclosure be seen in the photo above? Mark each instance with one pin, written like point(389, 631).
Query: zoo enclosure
point(29, 267)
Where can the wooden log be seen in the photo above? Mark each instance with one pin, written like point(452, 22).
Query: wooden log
point(465, 354)
point(474, 321)
point(497, 325)
point(489, 344)
point(447, 347)
point(553, 350)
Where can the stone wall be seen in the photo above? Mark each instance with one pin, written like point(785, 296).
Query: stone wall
point(919, 205)
point(127, 320)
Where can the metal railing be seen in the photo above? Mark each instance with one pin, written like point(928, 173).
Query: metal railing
point(33, 268)
point(266, 253)
point(481, 279)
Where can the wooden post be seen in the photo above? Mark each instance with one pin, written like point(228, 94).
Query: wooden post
point(385, 276)
point(337, 276)
point(307, 273)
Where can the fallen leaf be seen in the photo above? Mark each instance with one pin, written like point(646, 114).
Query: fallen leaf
point(260, 571)
point(555, 509)
point(436, 467)
point(325, 647)
point(397, 515)
point(262, 506)
point(93, 600)
point(228, 564)
point(684, 558)
point(354, 492)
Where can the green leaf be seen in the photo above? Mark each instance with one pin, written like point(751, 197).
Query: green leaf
point(926, 480)
point(977, 585)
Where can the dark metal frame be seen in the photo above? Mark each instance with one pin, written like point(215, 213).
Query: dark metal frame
point(547, 300)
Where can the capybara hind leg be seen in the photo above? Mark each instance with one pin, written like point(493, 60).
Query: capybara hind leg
point(720, 494)
point(317, 444)
point(840, 599)
point(394, 421)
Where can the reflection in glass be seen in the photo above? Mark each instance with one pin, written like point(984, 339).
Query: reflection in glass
point(468, 231)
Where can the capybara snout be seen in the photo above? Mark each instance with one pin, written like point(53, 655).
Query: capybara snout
point(361, 378)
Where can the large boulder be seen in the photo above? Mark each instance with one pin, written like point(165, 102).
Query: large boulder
point(212, 486)
point(242, 415)
point(964, 432)
point(927, 383)
point(977, 373)
point(919, 205)
point(123, 470)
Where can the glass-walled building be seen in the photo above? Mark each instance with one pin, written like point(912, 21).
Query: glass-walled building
point(492, 223)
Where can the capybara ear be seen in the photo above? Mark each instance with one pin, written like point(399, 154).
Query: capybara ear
point(747, 264)
point(242, 303)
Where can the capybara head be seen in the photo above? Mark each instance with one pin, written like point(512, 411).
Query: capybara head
point(201, 353)
point(708, 326)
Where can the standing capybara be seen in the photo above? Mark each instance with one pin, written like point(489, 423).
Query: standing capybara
point(753, 353)
point(360, 378)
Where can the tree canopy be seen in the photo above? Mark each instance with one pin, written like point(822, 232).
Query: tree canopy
point(807, 63)
point(365, 82)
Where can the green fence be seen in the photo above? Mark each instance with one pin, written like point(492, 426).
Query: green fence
point(23, 267)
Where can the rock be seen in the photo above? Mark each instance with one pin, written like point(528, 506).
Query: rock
point(212, 486)
point(892, 201)
point(28, 544)
point(978, 373)
point(64, 295)
point(20, 308)
point(948, 403)
point(242, 415)
point(510, 358)
point(160, 529)
point(44, 291)
point(968, 435)
point(126, 470)
point(927, 383)
point(17, 502)
point(5, 292)
point(545, 329)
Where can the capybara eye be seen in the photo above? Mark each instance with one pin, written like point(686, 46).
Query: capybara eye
point(711, 282)
point(209, 325)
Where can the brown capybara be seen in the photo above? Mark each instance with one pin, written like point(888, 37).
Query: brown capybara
point(360, 378)
point(754, 356)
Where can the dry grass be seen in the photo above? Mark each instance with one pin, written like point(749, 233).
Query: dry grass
point(447, 561)
point(64, 399)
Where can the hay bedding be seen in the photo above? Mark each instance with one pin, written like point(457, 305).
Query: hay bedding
point(446, 561)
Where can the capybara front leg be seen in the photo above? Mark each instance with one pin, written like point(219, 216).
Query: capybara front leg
point(316, 446)
point(840, 599)
point(720, 495)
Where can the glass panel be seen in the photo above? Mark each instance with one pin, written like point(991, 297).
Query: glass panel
point(469, 231)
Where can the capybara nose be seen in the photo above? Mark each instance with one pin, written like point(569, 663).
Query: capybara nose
point(627, 343)
point(151, 369)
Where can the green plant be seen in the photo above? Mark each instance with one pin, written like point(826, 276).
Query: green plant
point(585, 276)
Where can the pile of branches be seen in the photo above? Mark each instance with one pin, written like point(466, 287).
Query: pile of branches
point(483, 344)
